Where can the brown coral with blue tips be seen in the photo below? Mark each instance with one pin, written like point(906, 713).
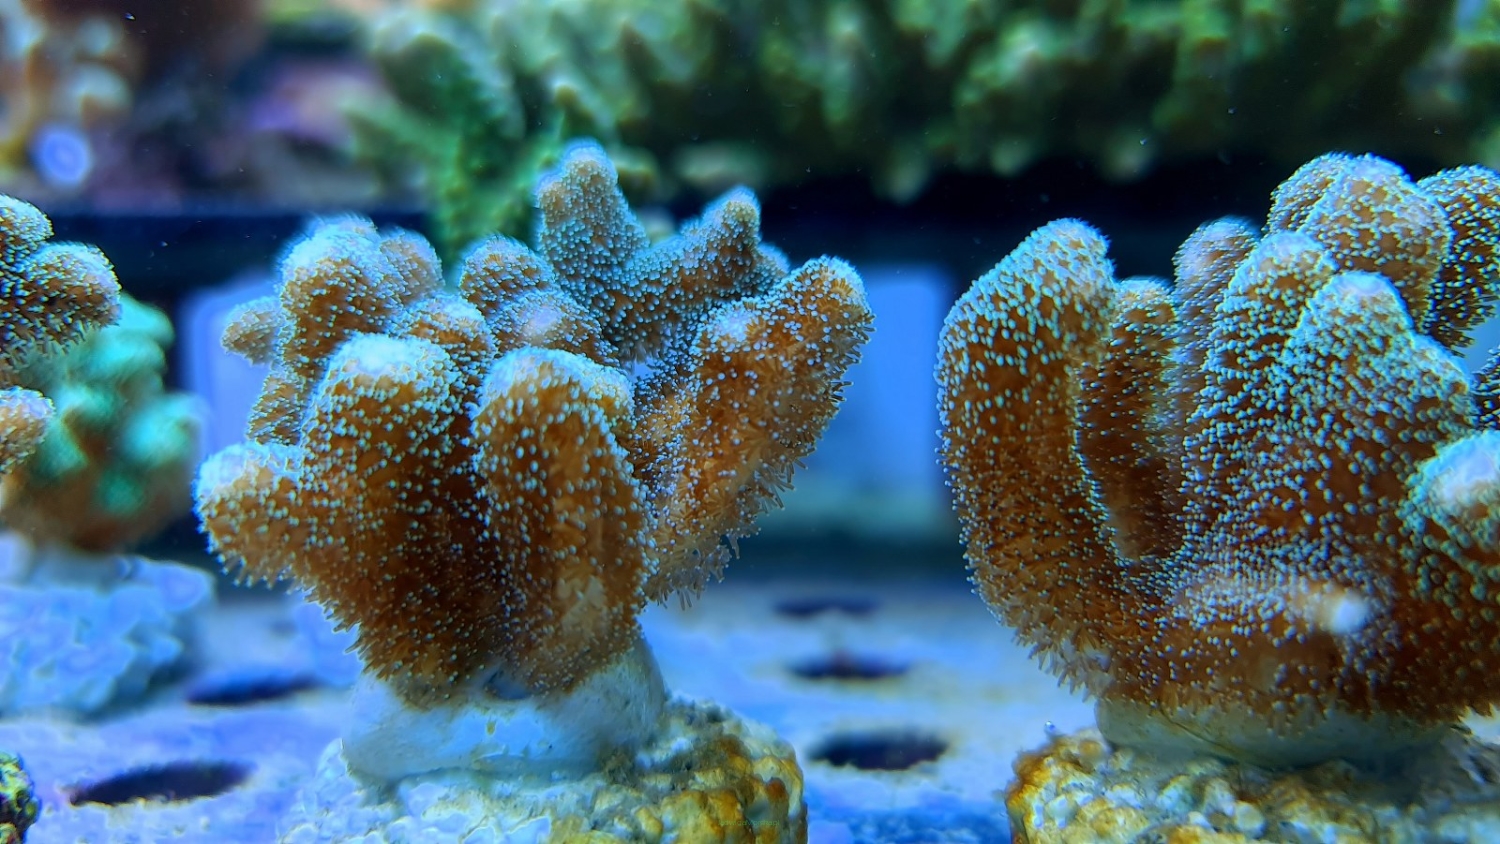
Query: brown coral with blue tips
point(1253, 514)
point(487, 453)
point(490, 482)
point(51, 295)
point(117, 462)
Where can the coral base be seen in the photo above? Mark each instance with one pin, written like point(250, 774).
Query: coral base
point(708, 777)
point(552, 736)
point(1078, 788)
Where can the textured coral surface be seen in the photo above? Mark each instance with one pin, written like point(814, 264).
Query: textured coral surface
point(90, 641)
point(492, 481)
point(1253, 513)
point(1077, 789)
point(51, 295)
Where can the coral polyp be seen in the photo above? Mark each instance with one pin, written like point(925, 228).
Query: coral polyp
point(1253, 513)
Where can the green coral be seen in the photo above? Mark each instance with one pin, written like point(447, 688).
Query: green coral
point(484, 127)
point(707, 92)
point(18, 803)
point(118, 457)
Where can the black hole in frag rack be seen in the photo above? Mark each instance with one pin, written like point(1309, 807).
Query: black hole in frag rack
point(243, 689)
point(172, 782)
point(844, 665)
point(880, 750)
point(808, 607)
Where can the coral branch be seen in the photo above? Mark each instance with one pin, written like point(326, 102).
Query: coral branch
point(1124, 439)
point(24, 415)
point(1008, 403)
point(474, 478)
point(1302, 510)
point(737, 400)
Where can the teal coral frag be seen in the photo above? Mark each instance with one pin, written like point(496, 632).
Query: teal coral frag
point(116, 465)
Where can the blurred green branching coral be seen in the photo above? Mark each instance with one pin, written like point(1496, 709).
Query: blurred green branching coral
point(707, 93)
point(18, 804)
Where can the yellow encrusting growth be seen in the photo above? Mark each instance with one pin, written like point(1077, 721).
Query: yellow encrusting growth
point(475, 477)
point(51, 295)
point(1256, 513)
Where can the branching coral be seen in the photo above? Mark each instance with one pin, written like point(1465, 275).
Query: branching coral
point(704, 91)
point(483, 122)
point(473, 477)
point(117, 463)
point(1253, 513)
point(51, 295)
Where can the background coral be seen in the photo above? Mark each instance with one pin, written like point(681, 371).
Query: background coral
point(99, 472)
point(1252, 513)
point(83, 80)
point(117, 462)
point(714, 92)
point(51, 295)
point(488, 451)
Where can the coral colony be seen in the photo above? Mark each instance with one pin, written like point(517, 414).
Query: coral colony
point(490, 482)
point(1254, 513)
point(51, 295)
point(117, 464)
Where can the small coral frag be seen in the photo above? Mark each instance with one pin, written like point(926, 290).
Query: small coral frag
point(1252, 513)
